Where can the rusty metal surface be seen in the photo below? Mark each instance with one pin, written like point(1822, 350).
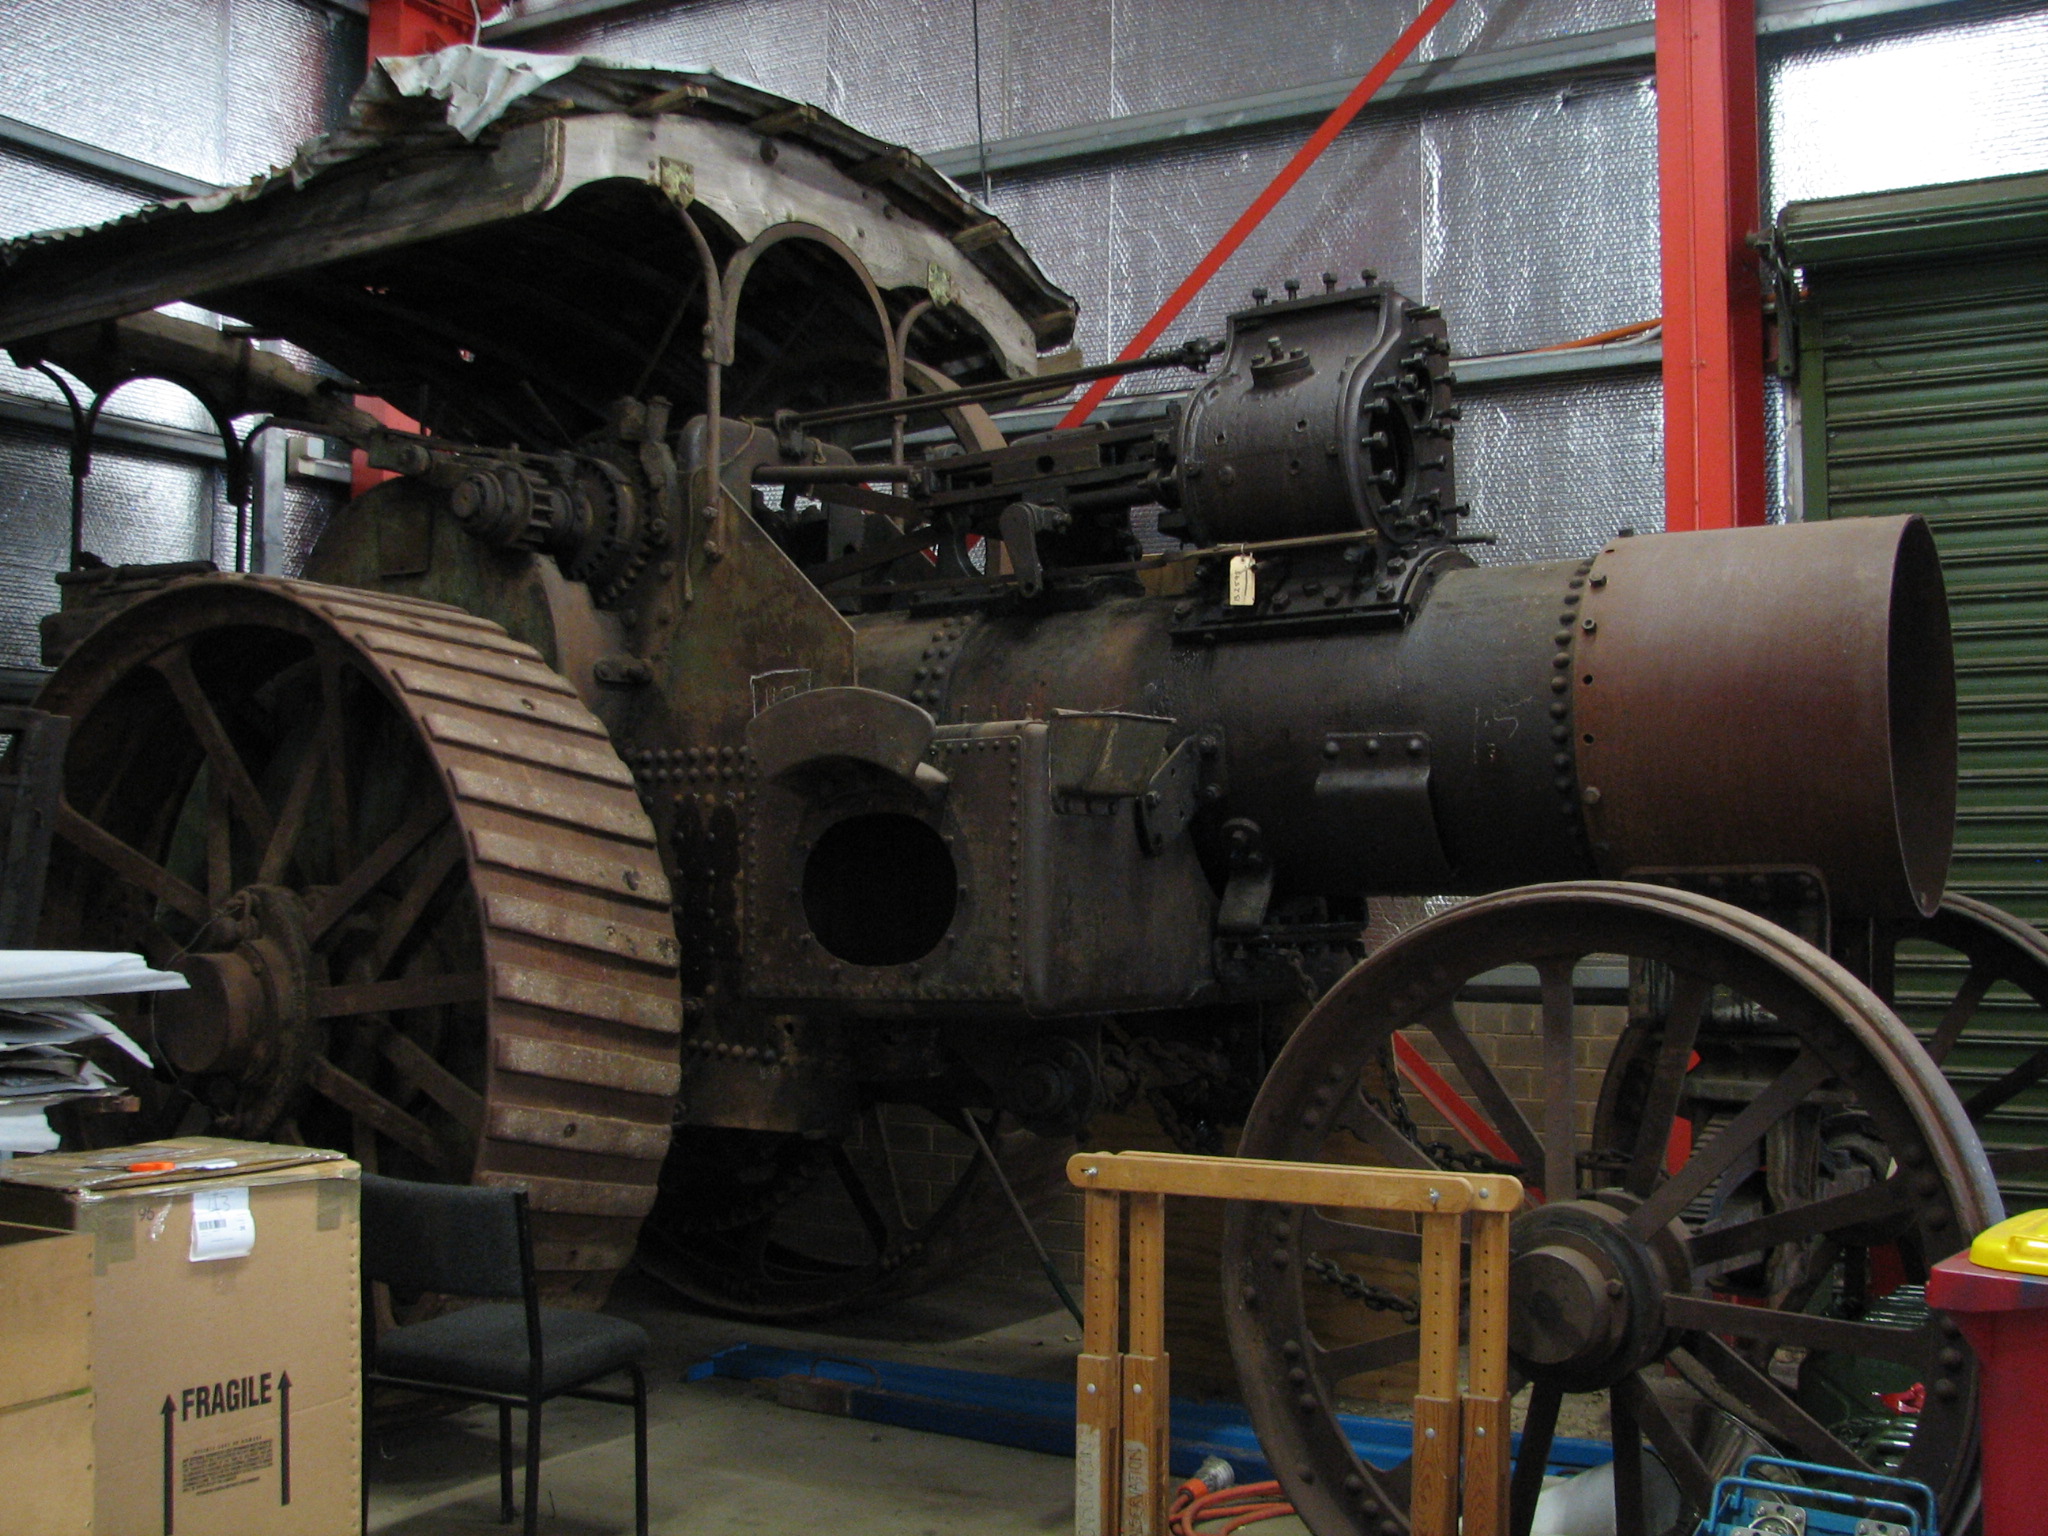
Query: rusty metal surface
point(1778, 697)
point(1614, 1270)
point(481, 980)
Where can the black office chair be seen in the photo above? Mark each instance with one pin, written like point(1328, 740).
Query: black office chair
point(455, 1240)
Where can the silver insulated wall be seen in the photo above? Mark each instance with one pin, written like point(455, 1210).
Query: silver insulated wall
point(105, 106)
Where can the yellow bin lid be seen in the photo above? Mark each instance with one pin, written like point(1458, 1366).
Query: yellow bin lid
point(2018, 1243)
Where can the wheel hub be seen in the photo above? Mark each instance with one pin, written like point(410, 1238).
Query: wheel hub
point(1585, 1298)
point(249, 1014)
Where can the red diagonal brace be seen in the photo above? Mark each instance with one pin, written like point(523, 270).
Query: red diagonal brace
point(1409, 40)
point(1713, 299)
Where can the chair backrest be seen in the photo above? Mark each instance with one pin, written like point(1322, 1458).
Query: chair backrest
point(454, 1239)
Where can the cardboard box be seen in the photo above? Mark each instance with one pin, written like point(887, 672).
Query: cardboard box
point(46, 1454)
point(226, 1340)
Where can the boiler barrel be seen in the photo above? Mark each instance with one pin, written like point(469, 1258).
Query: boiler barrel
point(1746, 700)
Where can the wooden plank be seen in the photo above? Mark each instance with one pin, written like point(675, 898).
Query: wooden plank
point(1486, 1397)
point(1433, 1496)
point(1145, 1372)
point(1145, 1435)
point(1246, 1178)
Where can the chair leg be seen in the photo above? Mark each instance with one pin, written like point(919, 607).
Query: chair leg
point(532, 1466)
point(639, 1451)
point(505, 1506)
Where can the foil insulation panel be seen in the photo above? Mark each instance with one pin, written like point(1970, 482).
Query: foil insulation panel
point(136, 510)
point(1870, 113)
point(218, 91)
point(1552, 470)
point(1474, 25)
point(1539, 215)
point(1203, 50)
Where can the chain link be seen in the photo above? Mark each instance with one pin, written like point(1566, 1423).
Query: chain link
point(1359, 1289)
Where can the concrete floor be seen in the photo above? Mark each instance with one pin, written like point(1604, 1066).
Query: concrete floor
point(724, 1457)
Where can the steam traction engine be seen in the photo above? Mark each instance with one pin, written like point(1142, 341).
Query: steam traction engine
point(718, 739)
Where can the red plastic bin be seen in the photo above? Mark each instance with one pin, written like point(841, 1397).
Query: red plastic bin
point(2003, 1312)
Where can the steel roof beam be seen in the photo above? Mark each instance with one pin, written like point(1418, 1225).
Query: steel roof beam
point(77, 155)
point(1610, 50)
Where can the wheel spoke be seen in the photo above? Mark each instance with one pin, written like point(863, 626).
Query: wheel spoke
point(1961, 1009)
point(1806, 1073)
point(462, 1102)
point(220, 842)
point(374, 1112)
point(1900, 1345)
point(222, 759)
point(1800, 1222)
point(1365, 1122)
point(137, 869)
point(1673, 1449)
point(291, 821)
point(1347, 1360)
point(1997, 1095)
point(396, 996)
point(442, 859)
point(1689, 998)
point(1486, 1087)
point(341, 899)
point(1560, 1163)
point(1537, 1430)
point(863, 1203)
point(1738, 1388)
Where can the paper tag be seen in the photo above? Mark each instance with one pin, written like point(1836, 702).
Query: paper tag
point(222, 1226)
point(1244, 581)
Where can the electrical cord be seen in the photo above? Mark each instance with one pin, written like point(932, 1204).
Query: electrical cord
point(1196, 1503)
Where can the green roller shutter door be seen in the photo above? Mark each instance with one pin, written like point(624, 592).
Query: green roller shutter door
point(1923, 386)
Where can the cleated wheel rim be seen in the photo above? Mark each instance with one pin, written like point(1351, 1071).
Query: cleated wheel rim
point(410, 881)
point(1644, 1275)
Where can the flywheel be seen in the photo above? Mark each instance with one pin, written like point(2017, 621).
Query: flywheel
point(1725, 1257)
point(412, 886)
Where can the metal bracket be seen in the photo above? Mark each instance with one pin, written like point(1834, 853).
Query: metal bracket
point(1172, 797)
point(1249, 891)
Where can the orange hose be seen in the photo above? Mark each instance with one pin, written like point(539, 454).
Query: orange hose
point(1599, 338)
point(1246, 1505)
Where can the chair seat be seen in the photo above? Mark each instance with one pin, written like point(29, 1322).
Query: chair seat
point(484, 1348)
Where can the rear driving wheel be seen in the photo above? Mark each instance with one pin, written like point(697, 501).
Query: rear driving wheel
point(411, 885)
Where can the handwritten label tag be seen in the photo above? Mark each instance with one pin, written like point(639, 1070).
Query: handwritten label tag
point(1244, 581)
point(222, 1225)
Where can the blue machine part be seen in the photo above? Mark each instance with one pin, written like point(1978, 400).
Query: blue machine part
point(1753, 1503)
point(1039, 1415)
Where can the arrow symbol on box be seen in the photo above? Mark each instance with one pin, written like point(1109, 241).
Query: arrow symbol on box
point(284, 1437)
point(170, 1413)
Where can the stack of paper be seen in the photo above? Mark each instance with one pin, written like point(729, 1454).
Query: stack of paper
point(44, 1012)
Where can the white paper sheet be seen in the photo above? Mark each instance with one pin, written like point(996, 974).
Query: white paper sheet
point(55, 973)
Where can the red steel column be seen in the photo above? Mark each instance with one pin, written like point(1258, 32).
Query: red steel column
point(1709, 190)
point(424, 26)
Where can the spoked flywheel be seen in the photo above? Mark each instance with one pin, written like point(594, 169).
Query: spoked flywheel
point(409, 880)
point(1708, 1257)
point(782, 1228)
